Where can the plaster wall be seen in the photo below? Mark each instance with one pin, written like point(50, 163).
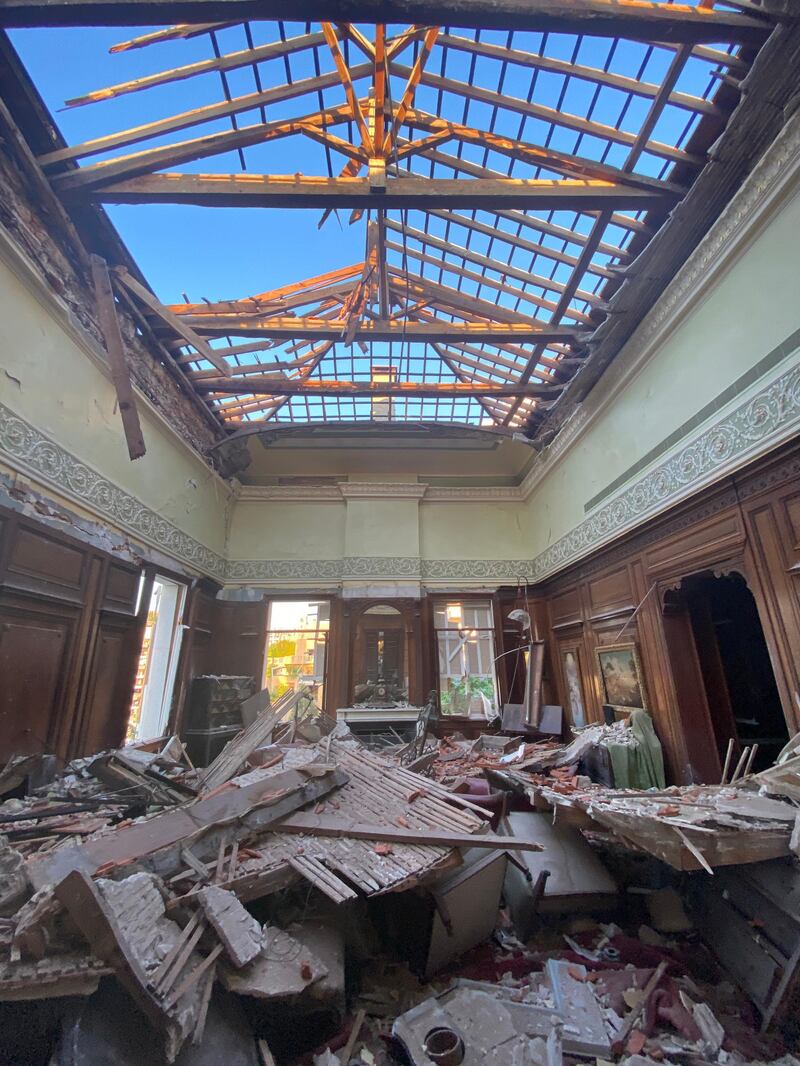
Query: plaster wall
point(472, 530)
point(54, 380)
point(745, 314)
point(272, 529)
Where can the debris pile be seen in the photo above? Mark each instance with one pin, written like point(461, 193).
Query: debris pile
point(303, 899)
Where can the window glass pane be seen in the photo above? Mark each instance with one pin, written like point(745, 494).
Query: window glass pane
point(297, 647)
point(465, 640)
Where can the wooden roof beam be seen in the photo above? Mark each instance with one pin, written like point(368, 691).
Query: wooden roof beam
point(207, 113)
point(545, 114)
point(599, 18)
point(231, 61)
point(483, 279)
point(523, 332)
point(123, 167)
point(399, 389)
point(299, 191)
point(533, 60)
point(489, 262)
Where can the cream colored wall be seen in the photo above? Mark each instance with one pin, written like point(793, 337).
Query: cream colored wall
point(272, 529)
point(382, 528)
point(746, 313)
point(488, 530)
point(48, 378)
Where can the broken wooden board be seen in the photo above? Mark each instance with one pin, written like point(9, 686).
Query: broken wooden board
point(76, 973)
point(577, 880)
point(232, 757)
point(320, 825)
point(156, 842)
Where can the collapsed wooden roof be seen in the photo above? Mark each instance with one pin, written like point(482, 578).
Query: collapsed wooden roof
point(500, 182)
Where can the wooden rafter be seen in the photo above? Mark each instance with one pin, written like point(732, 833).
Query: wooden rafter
point(606, 18)
point(402, 389)
point(527, 331)
point(279, 190)
point(347, 82)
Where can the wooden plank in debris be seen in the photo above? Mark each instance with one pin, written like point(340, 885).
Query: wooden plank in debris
point(115, 348)
point(328, 826)
point(156, 842)
point(232, 757)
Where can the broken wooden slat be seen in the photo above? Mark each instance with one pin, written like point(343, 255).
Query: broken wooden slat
point(327, 826)
point(155, 843)
point(232, 757)
point(321, 877)
point(115, 348)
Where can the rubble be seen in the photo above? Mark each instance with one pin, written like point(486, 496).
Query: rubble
point(183, 886)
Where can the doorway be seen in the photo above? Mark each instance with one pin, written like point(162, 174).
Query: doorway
point(742, 696)
point(158, 661)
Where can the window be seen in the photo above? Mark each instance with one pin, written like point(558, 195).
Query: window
point(465, 643)
point(297, 647)
point(158, 661)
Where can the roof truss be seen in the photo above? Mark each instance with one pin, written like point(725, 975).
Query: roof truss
point(497, 219)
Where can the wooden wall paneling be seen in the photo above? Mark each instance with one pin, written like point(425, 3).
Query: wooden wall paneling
point(239, 639)
point(113, 656)
point(700, 546)
point(43, 562)
point(110, 683)
point(774, 566)
point(36, 647)
point(198, 618)
point(337, 682)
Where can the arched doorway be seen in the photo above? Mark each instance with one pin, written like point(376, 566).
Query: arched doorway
point(718, 648)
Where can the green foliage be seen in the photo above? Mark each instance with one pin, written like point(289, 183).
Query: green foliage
point(282, 648)
point(455, 698)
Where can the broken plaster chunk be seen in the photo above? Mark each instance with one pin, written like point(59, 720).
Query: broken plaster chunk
point(284, 967)
point(241, 935)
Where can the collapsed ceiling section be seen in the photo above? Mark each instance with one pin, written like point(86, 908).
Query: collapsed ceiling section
point(497, 185)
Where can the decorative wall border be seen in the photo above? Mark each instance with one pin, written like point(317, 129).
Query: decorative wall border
point(753, 427)
point(28, 450)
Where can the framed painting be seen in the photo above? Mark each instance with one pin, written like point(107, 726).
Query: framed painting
point(621, 677)
point(571, 669)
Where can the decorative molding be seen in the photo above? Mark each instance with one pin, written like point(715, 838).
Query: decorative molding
point(307, 493)
point(467, 493)
point(30, 451)
point(308, 570)
point(371, 490)
point(356, 567)
point(501, 570)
